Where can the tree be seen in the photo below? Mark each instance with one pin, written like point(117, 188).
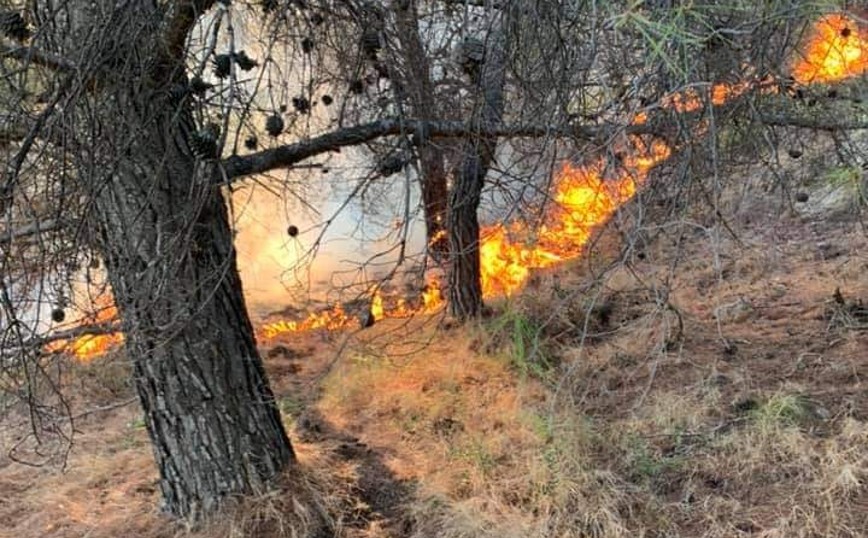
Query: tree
point(116, 155)
point(465, 281)
point(162, 229)
point(122, 129)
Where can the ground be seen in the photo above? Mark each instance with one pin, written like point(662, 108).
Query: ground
point(688, 380)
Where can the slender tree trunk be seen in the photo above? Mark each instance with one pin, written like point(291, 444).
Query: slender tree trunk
point(465, 281)
point(435, 200)
point(465, 284)
point(167, 242)
point(420, 93)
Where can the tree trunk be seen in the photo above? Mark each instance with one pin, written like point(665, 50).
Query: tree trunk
point(417, 81)
point(465, 281)
point(465, 284)
point(167, 242)
point(435, 199)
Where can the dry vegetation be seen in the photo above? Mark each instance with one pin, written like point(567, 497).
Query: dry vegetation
point(714, 385)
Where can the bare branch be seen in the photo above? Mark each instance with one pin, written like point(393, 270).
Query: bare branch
point(37, 57)
point(40, 342)
point(28, 230)
point(283, 156)
point(819, 123)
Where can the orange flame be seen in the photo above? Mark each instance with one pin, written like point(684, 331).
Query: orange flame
point(584, 196)
point(377, 307)
point(432, 298)
point(836, 49)
point(337, 318)
point(90, 346)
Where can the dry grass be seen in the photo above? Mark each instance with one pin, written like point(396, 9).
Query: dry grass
point(717, 400)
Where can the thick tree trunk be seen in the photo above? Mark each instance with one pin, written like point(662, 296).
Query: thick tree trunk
point(465, 284)
point(167, 242)
point(164, 232)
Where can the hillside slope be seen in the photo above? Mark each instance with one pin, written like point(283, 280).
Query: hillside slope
point(702, 377)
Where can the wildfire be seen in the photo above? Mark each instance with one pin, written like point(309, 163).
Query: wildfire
point(90, 346)
point(584, 197)
point(836, 49)
point(335, 318)
point(338, 318)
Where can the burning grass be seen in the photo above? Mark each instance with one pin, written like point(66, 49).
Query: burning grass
point(424, 431)
point(585, 196)
point(571, 413)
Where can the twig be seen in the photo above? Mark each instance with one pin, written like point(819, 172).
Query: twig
point(103, 408)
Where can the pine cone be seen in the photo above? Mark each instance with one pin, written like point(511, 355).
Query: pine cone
point(274, 125)
point(302, 104)
point(307, 45)
point(222, 65)
point(244, 62)
point(199, 86)
point(13, 26)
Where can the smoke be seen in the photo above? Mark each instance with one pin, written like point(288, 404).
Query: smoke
point(341, 247)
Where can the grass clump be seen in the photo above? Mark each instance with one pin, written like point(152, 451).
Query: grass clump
point(521, 338)
point(781, 410)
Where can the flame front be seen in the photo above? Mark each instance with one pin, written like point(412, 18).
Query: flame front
point(584, 199)
point(584, 196)
point(335, 318)
point(836, 49)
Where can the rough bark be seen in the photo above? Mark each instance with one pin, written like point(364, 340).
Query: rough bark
point(167, 243)
point(465, 285)
point(164, 232)
point(420, 93)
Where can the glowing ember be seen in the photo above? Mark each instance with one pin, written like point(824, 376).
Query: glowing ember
point(836, 49)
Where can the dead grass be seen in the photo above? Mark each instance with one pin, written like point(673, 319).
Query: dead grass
point(723, 399)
